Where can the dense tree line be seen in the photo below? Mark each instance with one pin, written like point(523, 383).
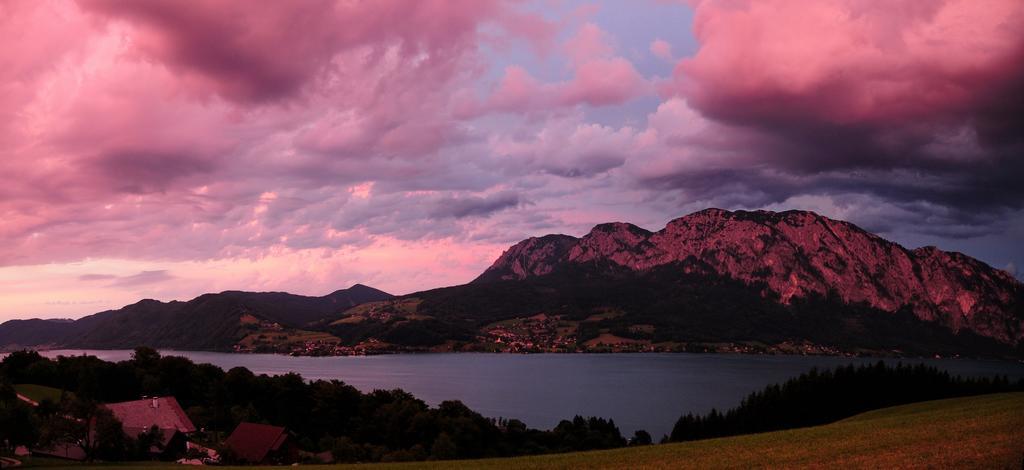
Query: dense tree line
point(388, 425)
point(820, 397)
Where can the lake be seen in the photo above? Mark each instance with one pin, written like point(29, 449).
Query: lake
point(638, 391)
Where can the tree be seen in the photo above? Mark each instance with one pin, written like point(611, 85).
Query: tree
point(145, 357)
point(443, 448)
point(91, 427)
point(640, 438)
point(88, 385)
point(824, 396)
point(16, 364)
point(344, 450)
point(109, 441)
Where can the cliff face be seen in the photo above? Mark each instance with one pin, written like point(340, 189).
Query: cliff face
point(530, 257)
point(795, 254)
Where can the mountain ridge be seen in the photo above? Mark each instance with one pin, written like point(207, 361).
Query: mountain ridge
point(797, 254)
point(209, 321)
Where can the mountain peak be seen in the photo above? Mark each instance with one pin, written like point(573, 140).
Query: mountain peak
point(618, 227)
point(357, 294)
point(616, 240)
point(534, 256)
point(795, 217)
point(793, 254)
point(357, 287)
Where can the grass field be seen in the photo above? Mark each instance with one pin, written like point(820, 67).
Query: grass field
point(974, 432)
point(38, 392)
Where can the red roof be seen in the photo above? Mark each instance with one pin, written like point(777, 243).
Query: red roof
point(163, 412)
point(252, 442)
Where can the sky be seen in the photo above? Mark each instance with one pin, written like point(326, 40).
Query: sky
point(163, 149)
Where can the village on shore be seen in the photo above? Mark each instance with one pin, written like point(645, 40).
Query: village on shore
point(531, 335)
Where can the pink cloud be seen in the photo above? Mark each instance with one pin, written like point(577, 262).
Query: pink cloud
point(518, 90)
point(539, 31)
point(599, 82)
point(590, 42)
point(269, 53)
point(149, 130)
point(602, 82)
point(844, 62)
point(598, 78)
point(662, 50)
point(565, 146)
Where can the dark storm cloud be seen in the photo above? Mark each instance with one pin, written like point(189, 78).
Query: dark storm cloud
point(140, 279)
point(143, 278)
point(918, 108)
point(474, 206)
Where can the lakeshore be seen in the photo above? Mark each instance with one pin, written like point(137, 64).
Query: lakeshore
point(640, 391)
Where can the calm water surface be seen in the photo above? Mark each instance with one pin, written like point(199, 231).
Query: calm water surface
point(639, 391)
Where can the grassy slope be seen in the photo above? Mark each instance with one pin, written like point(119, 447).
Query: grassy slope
point(38, 392)
point(973, 432)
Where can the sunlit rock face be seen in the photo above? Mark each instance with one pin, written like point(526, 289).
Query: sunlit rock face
point(794, 254)
point(530, 257)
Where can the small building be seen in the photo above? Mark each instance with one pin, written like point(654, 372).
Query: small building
point(262, 444)
point(139, 416)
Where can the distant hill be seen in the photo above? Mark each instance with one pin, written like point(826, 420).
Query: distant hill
point(208, 322)
point(15, 334)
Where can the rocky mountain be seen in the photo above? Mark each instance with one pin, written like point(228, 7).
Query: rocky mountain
point(530, 257)
point(208, 322)
point(791, 255)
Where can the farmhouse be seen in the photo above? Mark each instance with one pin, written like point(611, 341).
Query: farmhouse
point(164, 413)
point(262, 444)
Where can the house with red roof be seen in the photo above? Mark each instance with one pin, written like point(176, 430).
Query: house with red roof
point(137, 418)
point(262, 444)
point(164, 413)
